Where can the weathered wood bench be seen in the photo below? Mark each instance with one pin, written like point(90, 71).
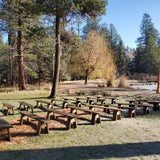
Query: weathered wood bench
point(156, 104)
point(26, 106)
point(40, 102)
point(107, 109)
point(71, 118)
point(144, 106)
point(9, 108)
point(95, 116)
point(77, 101)
point(42, 121)
point(5, 127)
point(131, 110)
point(64, 102)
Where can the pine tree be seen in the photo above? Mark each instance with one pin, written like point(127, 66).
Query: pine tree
point(148, 52)
point(66, 9)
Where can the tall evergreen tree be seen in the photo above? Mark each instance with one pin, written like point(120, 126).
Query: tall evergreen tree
point(147, 51)
point(66, 9)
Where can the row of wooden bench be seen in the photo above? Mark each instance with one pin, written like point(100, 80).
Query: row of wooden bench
point(26, 106)
point(71, 117)
point(43, 122)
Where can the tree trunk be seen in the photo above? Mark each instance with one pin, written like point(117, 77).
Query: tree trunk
point(57, 60)
point(10, 43)
point(20, 54)
point(10, 57)
point(86, 77)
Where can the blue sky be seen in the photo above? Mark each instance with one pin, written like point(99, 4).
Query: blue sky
point(126, 16)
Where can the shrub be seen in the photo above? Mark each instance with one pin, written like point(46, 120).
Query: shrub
point(123, 83)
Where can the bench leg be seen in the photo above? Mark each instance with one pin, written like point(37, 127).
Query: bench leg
point(91, 103)
point(12, 111)
point(21, 120)
point(30, 108)
point(91, 108)
point(103, 102)
point(131, 113)
point(48, 115)
point(9, 134)
point(39, 128)
point(54, 115)
point(4, 131)
point(65, 104)
point(50, 106)
point(145, 110)
point(47, 128)
point(7, 112)
point(78, 104)
point(73, 110)
point(107, 111)
point(116, 115)
point(71, 121)
point(95, 118)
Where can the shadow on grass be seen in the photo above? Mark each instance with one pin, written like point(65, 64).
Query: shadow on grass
point(128, 150)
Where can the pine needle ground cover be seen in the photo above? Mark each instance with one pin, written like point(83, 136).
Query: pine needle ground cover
point(135, 138)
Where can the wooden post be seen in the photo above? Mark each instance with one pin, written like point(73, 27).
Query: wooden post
point(158, 82)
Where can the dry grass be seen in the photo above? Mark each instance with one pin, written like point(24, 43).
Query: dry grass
point(123, 83)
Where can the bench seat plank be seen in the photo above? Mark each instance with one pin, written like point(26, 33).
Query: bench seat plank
point(5, 126)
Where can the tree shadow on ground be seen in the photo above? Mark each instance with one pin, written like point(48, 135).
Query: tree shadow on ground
point(128, 150)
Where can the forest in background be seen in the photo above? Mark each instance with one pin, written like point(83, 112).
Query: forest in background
point(98, 52)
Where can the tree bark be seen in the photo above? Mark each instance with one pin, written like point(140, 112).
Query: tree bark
point(86, 77)
point(10, 43)
point(57, 60)
point(20, 54)
point(10, 57)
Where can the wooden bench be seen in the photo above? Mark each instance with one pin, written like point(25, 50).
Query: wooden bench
point(24, 105)
point(131, 110)
point(42, 121)
point(77, 101)
point(145, 106)
point(64, 102)
point(5, 127)
point(156, 106)
point(107, 109)
point(95, 116)
point(40, 102)
point(71, 118)
point(9, 108)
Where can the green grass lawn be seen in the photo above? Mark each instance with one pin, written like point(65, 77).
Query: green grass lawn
point(136, 138)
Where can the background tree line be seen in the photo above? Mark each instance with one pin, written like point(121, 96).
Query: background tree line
point(39, 33)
